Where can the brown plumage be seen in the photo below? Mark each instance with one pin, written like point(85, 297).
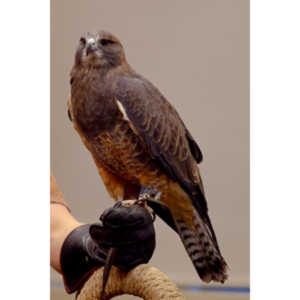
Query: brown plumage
point(138, 139)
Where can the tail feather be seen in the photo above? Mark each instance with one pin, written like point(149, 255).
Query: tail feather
point(200, 205)
point(200, 243)
point(190, 216)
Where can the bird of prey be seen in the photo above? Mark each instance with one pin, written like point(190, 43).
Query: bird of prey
point(138, 140)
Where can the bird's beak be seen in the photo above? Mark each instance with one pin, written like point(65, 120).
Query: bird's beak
point(91, 46)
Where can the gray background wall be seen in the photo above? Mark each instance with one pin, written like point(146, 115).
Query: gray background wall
point(197, 54)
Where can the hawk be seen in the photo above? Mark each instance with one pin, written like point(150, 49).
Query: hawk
point(137, 139)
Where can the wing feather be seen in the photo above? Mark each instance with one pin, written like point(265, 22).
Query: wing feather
point(161, 128)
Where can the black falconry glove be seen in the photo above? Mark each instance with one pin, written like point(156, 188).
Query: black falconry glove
point(126, 238)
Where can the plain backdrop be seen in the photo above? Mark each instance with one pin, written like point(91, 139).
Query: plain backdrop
point(197, 54)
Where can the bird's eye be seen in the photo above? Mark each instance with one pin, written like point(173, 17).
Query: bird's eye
point(82, 41)
point(105, 42)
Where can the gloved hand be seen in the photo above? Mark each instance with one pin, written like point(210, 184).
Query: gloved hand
point(127, 226)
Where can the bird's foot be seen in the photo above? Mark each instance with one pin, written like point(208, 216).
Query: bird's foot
point(148, 194)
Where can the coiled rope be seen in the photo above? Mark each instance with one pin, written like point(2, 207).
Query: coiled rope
point(144, 281)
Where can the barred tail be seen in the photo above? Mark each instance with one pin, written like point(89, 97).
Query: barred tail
point(201, 245)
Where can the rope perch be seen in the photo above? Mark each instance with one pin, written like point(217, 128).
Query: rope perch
point(143, 281)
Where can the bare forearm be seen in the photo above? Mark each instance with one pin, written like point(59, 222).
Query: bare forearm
point(62, 223)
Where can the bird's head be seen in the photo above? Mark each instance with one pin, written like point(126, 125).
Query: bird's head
point(101, 49)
